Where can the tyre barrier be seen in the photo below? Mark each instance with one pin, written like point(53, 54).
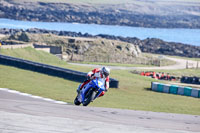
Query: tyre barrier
point(49, 70)
point(174, 89)
point(190, 80)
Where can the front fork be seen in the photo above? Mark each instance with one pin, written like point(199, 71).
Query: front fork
point(78, 89)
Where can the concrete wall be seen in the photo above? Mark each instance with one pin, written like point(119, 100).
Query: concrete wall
point(48, 69)
point(44, 49)
point(53, 49)
point(174, 89)
point(16, 46)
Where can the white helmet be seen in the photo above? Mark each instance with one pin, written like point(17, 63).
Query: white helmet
point(105, 71)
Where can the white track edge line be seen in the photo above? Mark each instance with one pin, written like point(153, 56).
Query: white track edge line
point(32, 96)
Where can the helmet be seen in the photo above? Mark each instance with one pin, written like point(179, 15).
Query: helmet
point(105, 71)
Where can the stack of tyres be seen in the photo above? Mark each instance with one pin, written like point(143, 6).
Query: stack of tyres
point(187, 91)
point(166, 88)
point(180, 90)
point(190, 80)
point(195, 93)
point(160, 87)
point(174, 89)
point(154, 86)
point(183, 79)
point(197, 80)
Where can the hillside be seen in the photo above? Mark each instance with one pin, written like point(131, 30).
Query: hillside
point(138, 13)
point(149, 45)
point(81, 49)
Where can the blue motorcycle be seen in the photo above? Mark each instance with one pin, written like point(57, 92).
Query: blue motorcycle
point(90, 92)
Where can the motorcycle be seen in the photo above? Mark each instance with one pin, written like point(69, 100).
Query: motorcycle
point(90, 92)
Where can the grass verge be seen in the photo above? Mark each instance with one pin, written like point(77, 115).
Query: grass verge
point(132, 94)
point(115, 64)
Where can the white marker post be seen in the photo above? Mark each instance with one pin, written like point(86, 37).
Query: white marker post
point(0, 47)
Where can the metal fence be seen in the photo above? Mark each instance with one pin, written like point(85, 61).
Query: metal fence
point(117, 59)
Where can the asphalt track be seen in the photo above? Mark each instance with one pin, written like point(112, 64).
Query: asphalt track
point(26, 114)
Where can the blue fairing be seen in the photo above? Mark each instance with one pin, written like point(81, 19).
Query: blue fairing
point(98, 84)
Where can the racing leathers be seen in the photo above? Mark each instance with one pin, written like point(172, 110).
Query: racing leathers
point(96, 73)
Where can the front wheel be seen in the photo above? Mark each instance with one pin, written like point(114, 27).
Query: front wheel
point(89, 97)
point(76, 102)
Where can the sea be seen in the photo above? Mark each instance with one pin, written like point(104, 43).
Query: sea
point(180, 35)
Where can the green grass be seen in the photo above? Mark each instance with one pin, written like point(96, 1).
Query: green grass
point(133, 94)
point(29, 53)
point(133, 90)
point(181, 72)
point(164, 62)
point(37, 84)
point(114, 64)
point(194, 59)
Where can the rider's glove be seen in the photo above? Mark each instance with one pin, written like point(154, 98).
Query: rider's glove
point(88, 77)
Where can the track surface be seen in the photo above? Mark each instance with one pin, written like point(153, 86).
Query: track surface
point(23, 114)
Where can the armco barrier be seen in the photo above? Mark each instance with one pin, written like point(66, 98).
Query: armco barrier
point(174, 89)
point(48, 69)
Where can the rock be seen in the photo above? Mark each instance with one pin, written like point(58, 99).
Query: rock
point(20, 36)
point(107, 14)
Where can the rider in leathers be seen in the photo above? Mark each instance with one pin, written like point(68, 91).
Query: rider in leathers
point(97, 73)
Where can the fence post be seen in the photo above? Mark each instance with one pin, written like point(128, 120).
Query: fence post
point(159, 63)
point(108, 58)
point(72, 55)
point(0, 49)
point(187, 65)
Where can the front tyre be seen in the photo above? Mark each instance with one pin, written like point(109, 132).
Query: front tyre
point(76, 102)
point(89, 97)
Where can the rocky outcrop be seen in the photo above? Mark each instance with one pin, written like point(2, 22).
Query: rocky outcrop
point(20, 36)
point(79, 49)
point(158, 46)
point(117, 14)
point(149, 45)
point(101, 50)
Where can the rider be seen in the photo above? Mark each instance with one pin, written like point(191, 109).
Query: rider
point(97, 73)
